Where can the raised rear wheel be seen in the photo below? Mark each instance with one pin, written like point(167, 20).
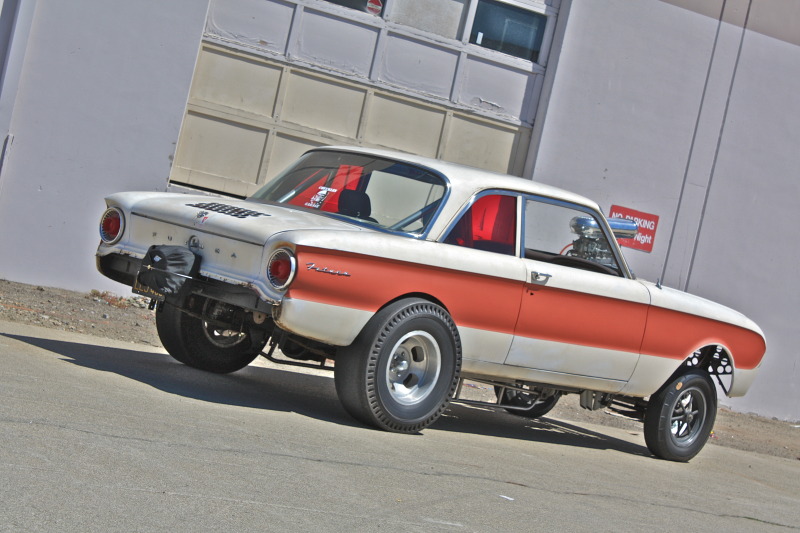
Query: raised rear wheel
point(402, 370)
point(210, 345)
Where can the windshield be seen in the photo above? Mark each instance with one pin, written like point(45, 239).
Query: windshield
point(377, 192)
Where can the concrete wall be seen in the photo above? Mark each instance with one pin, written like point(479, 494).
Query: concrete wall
point(746, 250)
point(97, 109)
point(676, 109)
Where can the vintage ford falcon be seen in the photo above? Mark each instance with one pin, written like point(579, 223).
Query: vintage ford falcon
point(408, 275)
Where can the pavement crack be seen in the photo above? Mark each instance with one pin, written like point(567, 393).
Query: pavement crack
point(617, 498)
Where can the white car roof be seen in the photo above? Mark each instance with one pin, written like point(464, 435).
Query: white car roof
point(466, 181)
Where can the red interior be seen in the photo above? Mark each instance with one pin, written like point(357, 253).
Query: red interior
point(323, 193)
point(490, 224)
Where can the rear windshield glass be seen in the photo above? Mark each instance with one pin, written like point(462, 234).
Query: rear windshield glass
point(373, 191)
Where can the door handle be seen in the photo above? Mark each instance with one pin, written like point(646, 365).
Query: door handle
point(540, 277)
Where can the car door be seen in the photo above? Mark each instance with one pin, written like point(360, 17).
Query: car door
point(581, 316)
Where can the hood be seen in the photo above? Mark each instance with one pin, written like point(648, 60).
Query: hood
point(243, 220)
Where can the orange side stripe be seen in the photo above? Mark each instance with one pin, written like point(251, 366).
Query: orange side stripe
point(493, 304)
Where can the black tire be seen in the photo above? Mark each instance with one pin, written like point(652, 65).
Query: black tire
point(679, 417)
point(196, 343)
point(402, 370)
point(529, 405)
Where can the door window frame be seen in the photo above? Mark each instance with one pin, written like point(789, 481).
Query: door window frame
point(490, 192)
point(615, 249)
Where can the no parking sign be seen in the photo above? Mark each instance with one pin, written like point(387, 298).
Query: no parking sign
point(647, 223)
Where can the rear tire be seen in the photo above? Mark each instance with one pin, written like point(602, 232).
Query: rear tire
point(197, 343)
point(402, 370)
point(679, 417)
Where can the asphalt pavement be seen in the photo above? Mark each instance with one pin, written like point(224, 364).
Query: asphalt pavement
point(100, 435)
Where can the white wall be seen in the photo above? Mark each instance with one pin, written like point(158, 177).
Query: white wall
point(98, 108)
point(747, 250)
point(669, 111)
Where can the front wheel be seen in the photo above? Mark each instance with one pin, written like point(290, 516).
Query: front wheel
point(402, 370)
point(679, 417)
point(205, 345)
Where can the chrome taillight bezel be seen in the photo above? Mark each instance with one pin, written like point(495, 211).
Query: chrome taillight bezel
point(112, 212)
point(282, 282)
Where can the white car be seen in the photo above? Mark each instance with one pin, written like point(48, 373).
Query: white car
point(412, 274)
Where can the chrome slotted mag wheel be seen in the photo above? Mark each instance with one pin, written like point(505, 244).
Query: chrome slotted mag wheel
point(403, 368)
point(413, 368)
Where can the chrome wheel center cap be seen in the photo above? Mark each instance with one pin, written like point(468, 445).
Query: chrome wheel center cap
point(399, 364)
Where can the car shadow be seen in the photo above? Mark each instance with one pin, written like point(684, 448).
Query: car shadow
point(497, 423)
point(309, 395)
point(252, 387)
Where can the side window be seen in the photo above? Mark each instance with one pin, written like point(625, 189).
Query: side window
point(490, 225)
point(567, 236)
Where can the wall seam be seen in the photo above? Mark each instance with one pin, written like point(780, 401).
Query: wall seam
point(719, 144)
point(692, 144)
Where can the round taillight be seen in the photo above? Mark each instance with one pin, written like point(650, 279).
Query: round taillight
point(111, 225)
point(281, 268)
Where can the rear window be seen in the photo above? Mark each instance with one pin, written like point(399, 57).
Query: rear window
point(373, 191)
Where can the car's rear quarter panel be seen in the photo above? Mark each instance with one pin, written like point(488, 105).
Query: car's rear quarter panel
point(462, 283)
